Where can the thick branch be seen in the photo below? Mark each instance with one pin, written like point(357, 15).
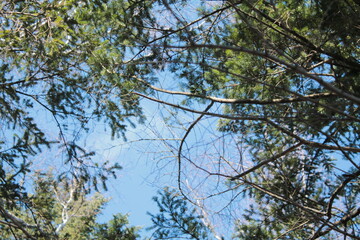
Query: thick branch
point(354, 213)
point(66, 206)
point(18, 222)
point(254, 118)
point(284, 199)
point(314, 101)
point(290, 149)
point(339, 189)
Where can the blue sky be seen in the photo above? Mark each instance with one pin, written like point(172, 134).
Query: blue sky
point(139, 181)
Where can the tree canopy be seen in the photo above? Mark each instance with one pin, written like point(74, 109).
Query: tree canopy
point(269, 91)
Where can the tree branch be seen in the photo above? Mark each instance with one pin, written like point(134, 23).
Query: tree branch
point(254, 118)
point(284, 199)
point(181, 146)
point(291, 66)
point(244, 101)
point(354, 213)
point(277, 156)
point(17, 222)
point(338, 190)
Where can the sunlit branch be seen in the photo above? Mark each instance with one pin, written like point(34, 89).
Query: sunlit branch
point(291, 66)
point(205, 216)
point(295, 227)
point(314, 101)
point(245, 101)
point(66, 205)
point(201, 112)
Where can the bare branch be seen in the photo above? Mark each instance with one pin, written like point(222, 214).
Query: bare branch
point(181, 146)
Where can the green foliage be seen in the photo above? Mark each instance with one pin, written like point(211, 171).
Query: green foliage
point(116, 229)
point(53, 204)
point(251, 230)
point(175, 219)
point(62, 61)
point(84, 220)
point(64, 57)
point(64, 211)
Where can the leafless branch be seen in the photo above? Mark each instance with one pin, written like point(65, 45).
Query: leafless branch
point(181, 146)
